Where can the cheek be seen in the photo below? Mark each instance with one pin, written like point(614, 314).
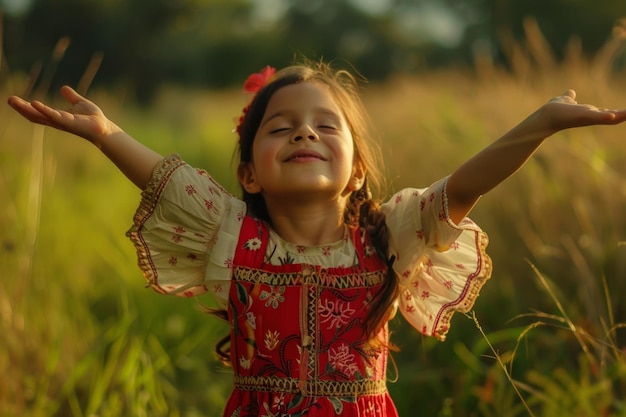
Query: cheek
point(347, 153)
point(348, 147)
point(263, 153)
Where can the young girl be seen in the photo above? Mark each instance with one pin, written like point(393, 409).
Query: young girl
point(307, 266)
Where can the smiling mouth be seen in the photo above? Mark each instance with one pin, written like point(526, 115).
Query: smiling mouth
point(305, 156)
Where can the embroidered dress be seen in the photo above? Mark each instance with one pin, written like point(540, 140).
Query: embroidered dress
point(298, 344)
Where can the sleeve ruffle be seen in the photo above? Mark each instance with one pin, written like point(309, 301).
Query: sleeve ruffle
point(185, 231)
point(441, 266)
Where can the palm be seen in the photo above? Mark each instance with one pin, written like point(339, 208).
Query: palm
point(84, 118)
point(566, 113)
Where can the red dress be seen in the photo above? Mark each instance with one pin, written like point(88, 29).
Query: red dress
point(298, 340)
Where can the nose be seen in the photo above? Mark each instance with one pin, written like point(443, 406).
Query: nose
point(305, 131)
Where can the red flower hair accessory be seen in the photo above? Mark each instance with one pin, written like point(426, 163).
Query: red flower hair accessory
point(253, 84)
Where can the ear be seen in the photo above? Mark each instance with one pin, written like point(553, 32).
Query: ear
point(247, 178)
point(358, 176)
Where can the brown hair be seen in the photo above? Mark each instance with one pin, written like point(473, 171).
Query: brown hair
point(361, 210)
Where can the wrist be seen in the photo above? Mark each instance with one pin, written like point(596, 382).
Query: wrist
point(101, 137)
point(540, 124)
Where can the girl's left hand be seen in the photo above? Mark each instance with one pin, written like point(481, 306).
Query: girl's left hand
point(564, 112)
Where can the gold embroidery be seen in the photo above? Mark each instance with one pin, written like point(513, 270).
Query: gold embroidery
point(311, 283)
point(322, 278)
point(318, 387)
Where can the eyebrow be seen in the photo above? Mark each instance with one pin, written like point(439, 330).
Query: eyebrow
point(280, 113)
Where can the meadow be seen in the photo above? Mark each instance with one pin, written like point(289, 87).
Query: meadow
point(82, 337)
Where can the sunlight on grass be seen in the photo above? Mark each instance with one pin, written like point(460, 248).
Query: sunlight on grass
point(82, 337)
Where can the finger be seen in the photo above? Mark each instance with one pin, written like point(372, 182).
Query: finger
point(71, 95)
point(568, 96)
point(26, 109)
point(15, 101)
point(570, 93)
point(619, 116)
point(50, 114)
point(610, 117)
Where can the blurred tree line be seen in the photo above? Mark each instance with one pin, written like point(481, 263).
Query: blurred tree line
point(217, 43)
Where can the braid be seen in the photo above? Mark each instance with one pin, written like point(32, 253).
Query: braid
point(365, 212)
point(372, 219)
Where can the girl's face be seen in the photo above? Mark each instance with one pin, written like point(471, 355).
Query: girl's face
point(303, 148)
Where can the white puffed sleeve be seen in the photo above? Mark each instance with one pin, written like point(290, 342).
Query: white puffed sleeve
point(185, 231)
point(441, 265)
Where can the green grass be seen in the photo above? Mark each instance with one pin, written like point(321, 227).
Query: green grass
point(82, 337)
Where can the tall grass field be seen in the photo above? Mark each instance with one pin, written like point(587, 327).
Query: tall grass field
point(80, 336)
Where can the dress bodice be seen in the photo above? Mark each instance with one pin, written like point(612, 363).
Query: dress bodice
point(298, 340)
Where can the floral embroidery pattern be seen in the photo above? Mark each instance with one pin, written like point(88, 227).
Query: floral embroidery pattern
point(244, 362)
point(335, 313)
point(190, 189)
point(253, 244)
point(274, 296)
point(271, 339)
point(278, 326)
point(279, 401)
point(342, 360)
point(251, 319)
point(297, 331)
point(286, 260)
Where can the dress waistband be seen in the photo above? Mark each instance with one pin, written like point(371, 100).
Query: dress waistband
point(318, 388)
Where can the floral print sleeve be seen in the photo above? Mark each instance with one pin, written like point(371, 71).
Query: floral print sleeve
point(441, 265)
point(185, 231)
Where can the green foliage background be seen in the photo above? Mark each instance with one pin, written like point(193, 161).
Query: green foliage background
point(142, 44)
point(82, 337)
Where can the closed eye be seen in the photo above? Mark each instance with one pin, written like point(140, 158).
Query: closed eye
point(280, 129)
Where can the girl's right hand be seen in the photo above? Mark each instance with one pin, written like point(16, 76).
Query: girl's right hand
point(84, 118)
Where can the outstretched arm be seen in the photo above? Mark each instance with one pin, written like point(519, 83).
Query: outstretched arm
point(86, 119)
point(505, 156)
